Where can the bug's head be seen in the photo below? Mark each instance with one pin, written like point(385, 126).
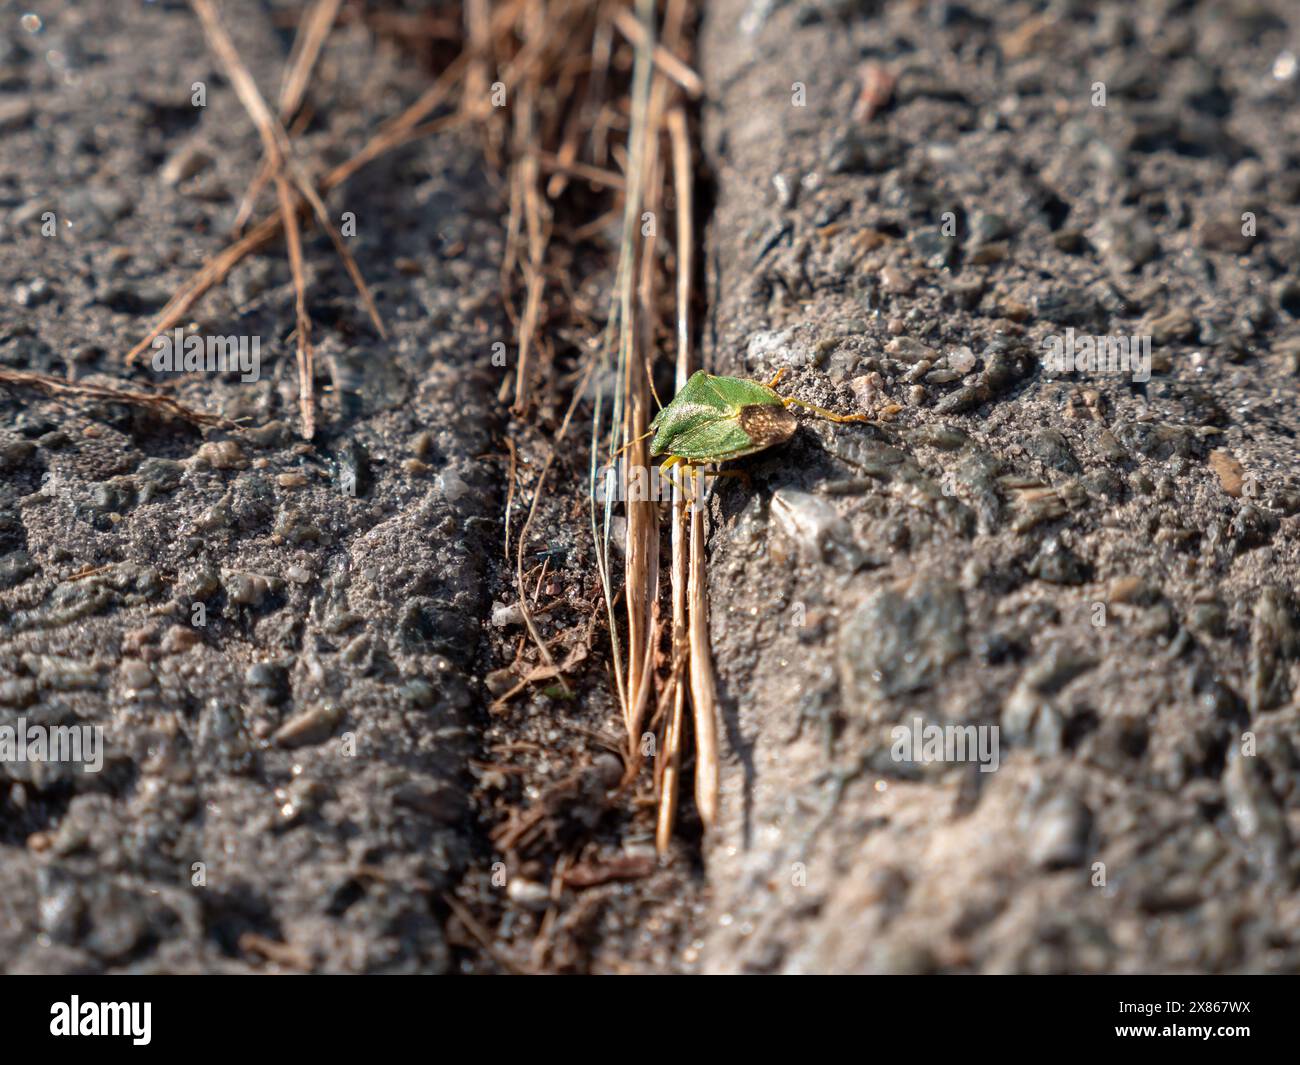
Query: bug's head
point(767, 424)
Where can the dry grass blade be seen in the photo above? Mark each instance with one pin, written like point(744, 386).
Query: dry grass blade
point(664, 59)
point(628, 414)
point(397, 131)
point(679, 138)
point(703, 684)
point(511, 474)
point(242, 81)
point(401, 130)
point(643, 524)
point(349, 263)
point(53, 386)
point(404, 127)
point(558, 165)
point(642, 548)
point(274, 144)
point(278, 153)
point(317, 21)
point(537, 227)
point(704, 698)
point(478, 31)
point(302, 334)
point(211, 273)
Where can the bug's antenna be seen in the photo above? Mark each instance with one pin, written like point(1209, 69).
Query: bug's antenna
point(653, 391)
point(634, 440)
point(829, 415)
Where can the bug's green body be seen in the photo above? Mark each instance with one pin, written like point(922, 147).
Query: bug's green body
point(713, 419)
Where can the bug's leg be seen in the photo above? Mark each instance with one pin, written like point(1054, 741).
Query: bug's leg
point(697, 474)
point(675, 460)
point(634, 440)
point(821, 412)
point(776, 378)
point(690, 489)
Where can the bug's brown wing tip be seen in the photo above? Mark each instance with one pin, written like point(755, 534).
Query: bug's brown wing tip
point(767, 424)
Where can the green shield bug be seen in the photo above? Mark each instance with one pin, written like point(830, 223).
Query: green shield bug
point(713, 419)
